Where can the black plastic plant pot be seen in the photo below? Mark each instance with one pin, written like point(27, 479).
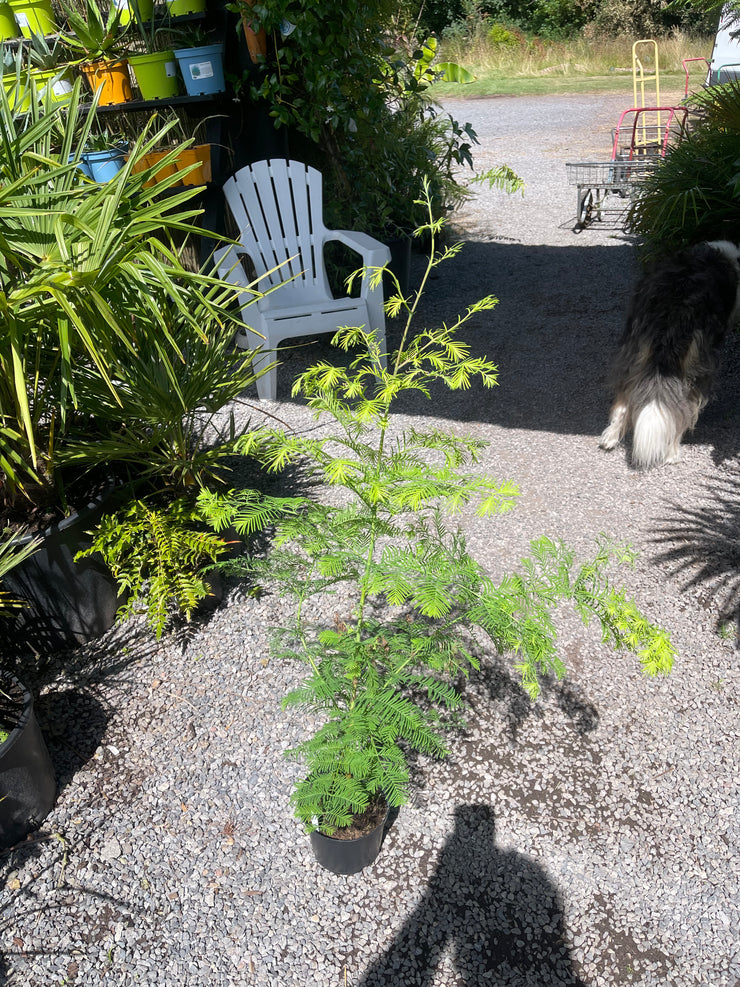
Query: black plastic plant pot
point(348, 856)
point(67, 603)
point(27, 782)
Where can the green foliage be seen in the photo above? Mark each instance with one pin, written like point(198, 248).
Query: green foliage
point(339, 81)
point(13, 550)
point(500, 36)
point(563, 19)
point(695, 193)
point(94, 34)
point(95, 304)
point(157, 555)
point(383, 676)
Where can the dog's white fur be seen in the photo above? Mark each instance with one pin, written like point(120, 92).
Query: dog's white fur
point(680, 313)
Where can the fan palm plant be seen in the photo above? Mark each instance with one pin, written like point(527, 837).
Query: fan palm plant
point(91, 281)
point(695, 192)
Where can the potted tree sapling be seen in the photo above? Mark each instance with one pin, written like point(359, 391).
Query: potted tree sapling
point(382, 670)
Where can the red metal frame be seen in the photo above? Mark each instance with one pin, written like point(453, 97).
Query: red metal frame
point(672, 111)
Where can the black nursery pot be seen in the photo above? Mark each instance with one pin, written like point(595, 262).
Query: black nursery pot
point(348, 856)
point(67, 603)
point(400, 264)
point(27, 782)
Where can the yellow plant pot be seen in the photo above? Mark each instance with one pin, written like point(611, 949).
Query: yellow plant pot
point(111, 78)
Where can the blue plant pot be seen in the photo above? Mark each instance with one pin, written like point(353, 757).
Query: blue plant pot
point(83, 166)
point(104, 165)
point(202, 69)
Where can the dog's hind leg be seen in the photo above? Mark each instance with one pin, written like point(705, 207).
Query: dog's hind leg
point(614, 431)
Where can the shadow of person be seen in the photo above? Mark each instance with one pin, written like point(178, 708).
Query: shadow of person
point(497, 913)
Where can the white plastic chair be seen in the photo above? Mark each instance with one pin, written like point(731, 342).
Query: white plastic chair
point(277, 206)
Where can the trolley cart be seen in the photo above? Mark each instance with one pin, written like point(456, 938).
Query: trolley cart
point(605, 186)
point(639, 143)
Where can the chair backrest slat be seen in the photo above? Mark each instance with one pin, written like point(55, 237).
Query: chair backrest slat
point(277, 206)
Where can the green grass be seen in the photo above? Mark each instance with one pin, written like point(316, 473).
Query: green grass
point(534, 67)
point(671, 85)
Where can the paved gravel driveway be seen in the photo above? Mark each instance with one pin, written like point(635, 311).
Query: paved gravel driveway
point(591, 839)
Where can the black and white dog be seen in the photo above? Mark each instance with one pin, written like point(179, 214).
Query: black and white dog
point(669, 352)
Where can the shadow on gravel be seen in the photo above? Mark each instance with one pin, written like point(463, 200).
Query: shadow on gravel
point(553, 335)
point(73, 723)
point(702, 544)
point(498, 912)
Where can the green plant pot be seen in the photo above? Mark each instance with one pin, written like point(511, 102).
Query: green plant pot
point(27, 780)
point(176, 8)
point(8, 25)
point(156, 74)
point(128, 10)
point(19, 96)
point(34, 16)
point(58, 82)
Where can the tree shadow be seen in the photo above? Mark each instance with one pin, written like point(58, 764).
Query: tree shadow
point(702, 545)
point(497, 911)
point(553, 335)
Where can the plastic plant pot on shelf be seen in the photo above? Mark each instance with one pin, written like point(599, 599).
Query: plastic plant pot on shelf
point(83, 166)
point(34, 17)
point(129, 10)
point(58, 82)
point(150, 161)
point(176, 8)
point(200, 154)
point(156, 74)
point(18, 94)
point(202, 69)
point(8, 25)
point(104, 165)
point(111, 78)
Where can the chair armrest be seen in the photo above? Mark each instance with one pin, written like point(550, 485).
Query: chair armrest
point(227, 261)
point(373, 252)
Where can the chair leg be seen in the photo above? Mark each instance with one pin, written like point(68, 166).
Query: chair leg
point(267, 383)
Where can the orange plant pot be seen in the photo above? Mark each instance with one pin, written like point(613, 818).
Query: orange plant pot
point(111, 78)
point(200, 154)
point(256, 40)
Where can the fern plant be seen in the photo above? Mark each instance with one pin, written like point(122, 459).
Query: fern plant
point(159, 557)
point(382, 676)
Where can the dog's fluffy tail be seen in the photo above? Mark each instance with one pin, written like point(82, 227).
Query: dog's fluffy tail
point(661, 417)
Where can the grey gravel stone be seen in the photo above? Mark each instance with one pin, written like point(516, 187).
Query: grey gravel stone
point(590, 840)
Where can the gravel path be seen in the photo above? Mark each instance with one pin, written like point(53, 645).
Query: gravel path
point(591, 839)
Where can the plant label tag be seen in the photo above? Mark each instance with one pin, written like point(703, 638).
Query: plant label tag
point(201, 70)
point(22, 19)
point(62, 88)
point(170, 69)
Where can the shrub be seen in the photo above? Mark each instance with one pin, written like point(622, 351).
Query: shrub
point(502, 37)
